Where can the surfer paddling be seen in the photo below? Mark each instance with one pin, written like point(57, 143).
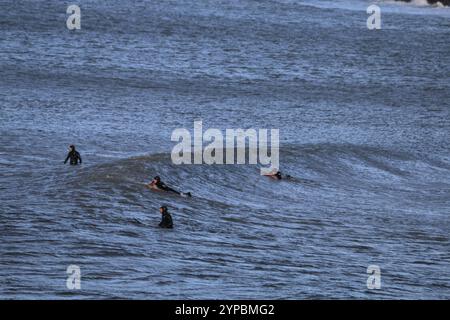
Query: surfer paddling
point(157, 184)
point(277, 175)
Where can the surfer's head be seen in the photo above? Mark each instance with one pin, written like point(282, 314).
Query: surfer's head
point(278, 174)
point(157, 179)
point(163, 209)
point(72, 147)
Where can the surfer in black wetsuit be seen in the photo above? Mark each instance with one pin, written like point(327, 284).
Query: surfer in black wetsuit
point(73, 155)
point(278, 175)
point(156, 182)
point(166, 218)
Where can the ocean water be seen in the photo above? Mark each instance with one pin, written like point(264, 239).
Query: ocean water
point(364, 119)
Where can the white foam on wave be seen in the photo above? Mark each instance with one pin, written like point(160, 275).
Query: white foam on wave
point(426, 3)
point(362, 4)
point(416, 3)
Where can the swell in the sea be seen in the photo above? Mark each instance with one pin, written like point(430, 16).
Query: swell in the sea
point(315, 168)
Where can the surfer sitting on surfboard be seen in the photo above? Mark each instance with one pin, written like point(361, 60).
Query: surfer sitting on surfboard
point(73, 155)
point(159, 185)
point(166, 218)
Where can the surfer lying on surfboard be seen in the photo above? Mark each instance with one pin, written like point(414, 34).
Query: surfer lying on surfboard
point(157, 184)
point(277, 175)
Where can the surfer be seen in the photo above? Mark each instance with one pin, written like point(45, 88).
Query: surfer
point(159, 185)
point(278, 175)
point(166, 218)
point(73, 155)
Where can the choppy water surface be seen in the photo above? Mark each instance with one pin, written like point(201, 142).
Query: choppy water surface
point(364, 120)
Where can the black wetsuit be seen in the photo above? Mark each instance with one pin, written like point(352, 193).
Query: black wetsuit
point(280, 176)
point(161, 185)
point(166, 221)
point(74, 157)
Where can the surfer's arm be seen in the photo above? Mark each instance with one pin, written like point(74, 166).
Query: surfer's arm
point(79, 158)
point(67, 158)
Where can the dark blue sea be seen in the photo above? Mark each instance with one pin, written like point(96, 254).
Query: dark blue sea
point(364, 120)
